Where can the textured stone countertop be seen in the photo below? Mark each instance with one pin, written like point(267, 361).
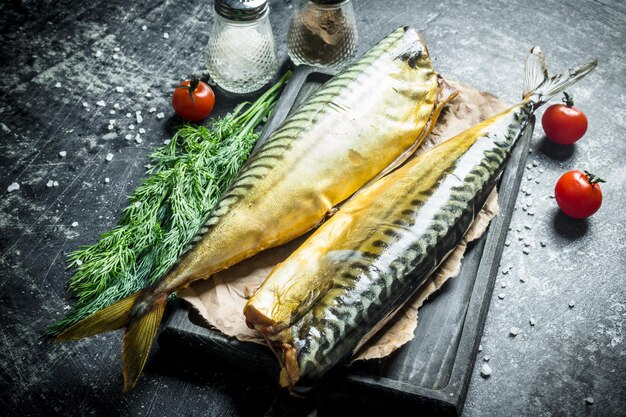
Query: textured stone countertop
point(61, 62)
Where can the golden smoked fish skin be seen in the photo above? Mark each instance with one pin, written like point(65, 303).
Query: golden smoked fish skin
point(323, 302)
point(369, 117)
point(357, 124)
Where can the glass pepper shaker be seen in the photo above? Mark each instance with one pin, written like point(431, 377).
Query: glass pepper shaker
point(241, 54)
point(323, 33)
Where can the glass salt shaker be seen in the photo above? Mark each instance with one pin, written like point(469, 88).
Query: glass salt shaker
point(323, 33)
point(241, 55)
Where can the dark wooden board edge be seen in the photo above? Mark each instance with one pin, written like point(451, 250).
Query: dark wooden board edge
point(182, 327)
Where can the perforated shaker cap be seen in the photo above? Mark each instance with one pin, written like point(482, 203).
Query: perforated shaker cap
point(241, 10)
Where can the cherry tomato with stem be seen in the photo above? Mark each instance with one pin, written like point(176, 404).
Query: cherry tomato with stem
point(193, 100)
point(563, 123)
point(578, 194)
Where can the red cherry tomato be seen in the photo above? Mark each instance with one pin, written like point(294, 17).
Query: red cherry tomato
point(193, 100)
point(563, 123)
point(578, 194)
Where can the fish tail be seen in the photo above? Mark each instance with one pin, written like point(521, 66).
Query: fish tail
point(540, 87)
point(140, 314)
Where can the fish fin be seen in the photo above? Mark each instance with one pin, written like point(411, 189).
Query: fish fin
point(138, 340)
point(108, 319)
point(540, 87)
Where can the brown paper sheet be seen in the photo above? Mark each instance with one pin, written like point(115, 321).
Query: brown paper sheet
point(220, 299)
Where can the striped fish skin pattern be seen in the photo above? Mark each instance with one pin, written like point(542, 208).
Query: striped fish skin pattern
point(333, 144)
point(380, 247)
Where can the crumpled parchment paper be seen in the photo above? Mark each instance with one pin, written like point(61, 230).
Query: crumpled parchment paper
point(221, 298)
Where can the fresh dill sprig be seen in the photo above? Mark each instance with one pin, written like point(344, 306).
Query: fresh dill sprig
point(186, 179)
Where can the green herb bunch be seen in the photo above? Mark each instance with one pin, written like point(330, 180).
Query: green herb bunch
point(186, 178)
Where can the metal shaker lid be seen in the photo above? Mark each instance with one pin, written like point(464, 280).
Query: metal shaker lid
point(241, 10)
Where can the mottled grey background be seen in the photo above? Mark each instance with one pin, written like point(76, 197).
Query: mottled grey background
point(57, 55)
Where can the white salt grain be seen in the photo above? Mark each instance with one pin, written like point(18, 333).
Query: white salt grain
point(160, 115)
point(129, 115)
point(531, 321)
point(98, 53)
point(79, 262)
point(111, 111)
point(139, 117)
point(167, 141)
point(131, 127)
point(49, 183)
point(107, 180)
point(144, 27)
point(109, 157)
point(116, 49)
point(110, 127)
point(62, 154)
point(58, 85)
point(13, 187)
point(55, 184)
point(589, 400)
point(138, 138)
point(535, 163)
point(485, 371)
point(119, 89)
point(116, 106)
point(166, 35)
point(513, 331)
point(152, 110)
point(148, 94)
point(501, 296)
point(571, 304)
point(480, 348)
point(74, 224)
point(486, 358)
point(142, 130)
point(85, 104)
point(101, 103)
point(526, 251)
point(128, 137)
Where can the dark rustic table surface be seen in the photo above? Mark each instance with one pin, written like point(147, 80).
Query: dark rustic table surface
point(60, 58)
